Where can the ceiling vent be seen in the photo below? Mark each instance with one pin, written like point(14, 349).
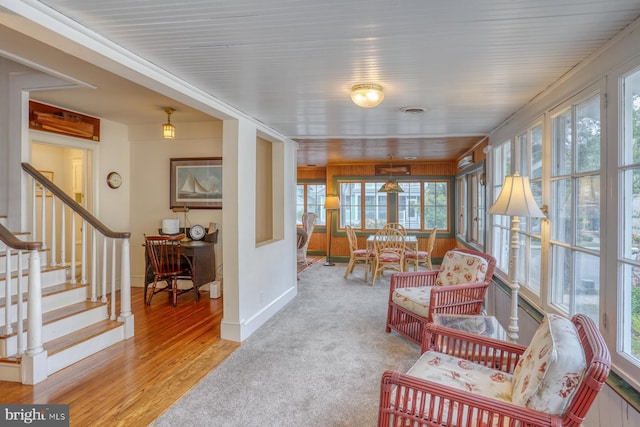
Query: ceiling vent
point(412, 110)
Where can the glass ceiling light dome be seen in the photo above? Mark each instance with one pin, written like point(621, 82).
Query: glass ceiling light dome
point(367, 95)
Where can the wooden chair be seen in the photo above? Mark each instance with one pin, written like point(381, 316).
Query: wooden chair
point(308, 223)
point(552, 382)
point(396, 226)
point(356, 255)
point(390, 246)
point(168, 264)
point(459, 287)
point(421, 257)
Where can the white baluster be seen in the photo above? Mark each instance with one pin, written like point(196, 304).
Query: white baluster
point(125, 291)
point(7, 293)
point(19, 306)
point(113, 279)
point(63, 234)
point(73, 248)
point(104, 269)
point(43, 223)
point(54, 245)
point(94, 265)
point(83, 251)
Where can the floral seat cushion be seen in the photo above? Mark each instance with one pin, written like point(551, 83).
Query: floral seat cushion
point(462, 375)
point(551, 368)
point(459, 267)
point(415, 300)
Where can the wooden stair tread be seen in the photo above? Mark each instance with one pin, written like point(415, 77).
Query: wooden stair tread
point(43, 269)
point(58, 314)
point(3, 253)
point(84, 334)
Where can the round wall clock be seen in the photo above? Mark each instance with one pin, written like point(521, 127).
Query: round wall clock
point(114, 180)
point(196, 232)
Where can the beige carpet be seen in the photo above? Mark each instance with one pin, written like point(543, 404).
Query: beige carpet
point(317, 362)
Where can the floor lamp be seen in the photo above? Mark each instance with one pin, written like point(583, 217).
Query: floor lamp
point(331, 203)
point(515, 200)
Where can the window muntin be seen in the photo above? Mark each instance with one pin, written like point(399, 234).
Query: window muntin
point(501, 224)
point(310, 198)
point(575, 209)
point(436, 205)
point(410, 206)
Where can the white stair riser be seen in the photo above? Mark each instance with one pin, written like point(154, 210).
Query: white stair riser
point(25, 260)
point(84, 349)
point(49, 302)
point(59, 328)
point(52, 277)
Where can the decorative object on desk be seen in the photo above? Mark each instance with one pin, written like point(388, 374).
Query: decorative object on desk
point(170, 226)
point(515, 200)
point(196, 183)
point(390, 186)
point(186, 219)
point(168, 130)
point(196, 232)
point(331, 203)
point(114, 180)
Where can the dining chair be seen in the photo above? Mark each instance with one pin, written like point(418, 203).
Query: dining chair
point(421, 257)
point(168, 264)
point(396, 226)
point(357, 255)
point(390, 246)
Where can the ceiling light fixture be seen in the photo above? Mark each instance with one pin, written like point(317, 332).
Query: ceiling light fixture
point(390, 186)
point(168, 130)
point(367, 95)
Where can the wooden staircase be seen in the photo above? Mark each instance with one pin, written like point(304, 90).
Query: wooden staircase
point(73, 327)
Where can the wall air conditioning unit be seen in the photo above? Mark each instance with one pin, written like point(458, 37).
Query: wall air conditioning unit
point(465, 161)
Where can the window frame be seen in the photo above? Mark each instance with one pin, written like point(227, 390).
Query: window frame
point(321, 220)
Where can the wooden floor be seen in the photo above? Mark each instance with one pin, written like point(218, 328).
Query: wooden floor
point(131, 383)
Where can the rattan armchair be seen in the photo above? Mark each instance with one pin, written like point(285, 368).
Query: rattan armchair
point(459, 287)
point(421, 401)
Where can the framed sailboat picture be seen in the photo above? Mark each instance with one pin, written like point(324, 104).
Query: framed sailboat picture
point(196, 183)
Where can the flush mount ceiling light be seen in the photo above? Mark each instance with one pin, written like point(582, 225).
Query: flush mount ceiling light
point(367, 95)
point(168, 130)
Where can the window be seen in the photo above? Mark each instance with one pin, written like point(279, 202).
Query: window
point(575, 209)
point(529, 163)
point(310, 198)
point(501, 224)
point(629, 226)
point(362, 206)
point(461, 207)
point(424, 205)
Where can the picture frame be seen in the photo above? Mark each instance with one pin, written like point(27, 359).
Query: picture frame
point(195, 183)
point(49, 176)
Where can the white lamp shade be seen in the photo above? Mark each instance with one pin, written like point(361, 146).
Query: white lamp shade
point(332, 202)
point(516, 199)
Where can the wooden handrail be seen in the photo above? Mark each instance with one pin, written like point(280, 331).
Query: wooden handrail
point(75, 206)
point(13, 242)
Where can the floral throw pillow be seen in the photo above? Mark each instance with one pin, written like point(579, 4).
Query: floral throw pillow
point(459, 267)
point(549, 372)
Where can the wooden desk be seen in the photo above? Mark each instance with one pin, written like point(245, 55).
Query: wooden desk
point(201, 257)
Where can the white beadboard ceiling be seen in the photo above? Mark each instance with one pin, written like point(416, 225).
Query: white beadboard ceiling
point(291, 63)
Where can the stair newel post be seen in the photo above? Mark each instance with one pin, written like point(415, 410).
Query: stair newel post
point(34, 361)
point(125, 290)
